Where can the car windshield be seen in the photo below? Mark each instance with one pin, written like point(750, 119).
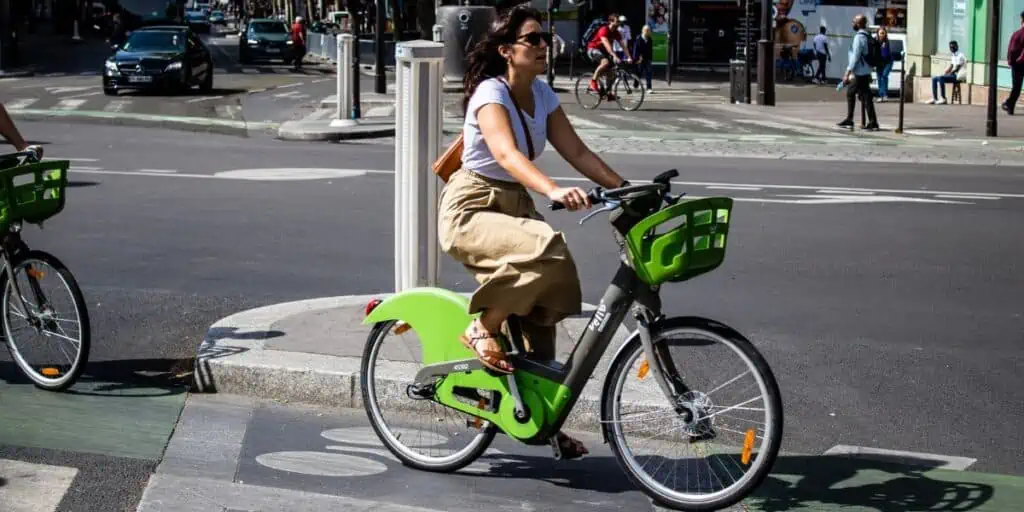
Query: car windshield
point(269, 27)
point(159, 41)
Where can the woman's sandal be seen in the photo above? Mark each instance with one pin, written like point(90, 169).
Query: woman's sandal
point(492, 359)
point(568, 448)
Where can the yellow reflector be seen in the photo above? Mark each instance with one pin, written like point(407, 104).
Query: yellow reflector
point(50, 372)
point(644, 368)
point(402, 328)
point(36, 274)
point(478, 422)
point(748, 445)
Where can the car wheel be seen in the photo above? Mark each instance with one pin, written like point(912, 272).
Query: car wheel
point(109, 91)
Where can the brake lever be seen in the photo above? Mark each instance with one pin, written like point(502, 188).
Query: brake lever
point(609, 205)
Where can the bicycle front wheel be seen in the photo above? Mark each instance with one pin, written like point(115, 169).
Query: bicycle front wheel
point(629, 92)
point(47, 331)
point(718, 442)
point(585, 96)
point(422, 433)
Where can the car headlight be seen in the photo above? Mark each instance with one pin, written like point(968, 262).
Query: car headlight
point(173, 66)
point(289, 42)
point(254, 42)
point(110, 66)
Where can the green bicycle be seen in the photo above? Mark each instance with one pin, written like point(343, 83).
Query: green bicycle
point(33, 191)
point(690, 384)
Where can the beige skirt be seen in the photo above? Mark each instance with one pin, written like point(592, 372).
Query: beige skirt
point(523, 265)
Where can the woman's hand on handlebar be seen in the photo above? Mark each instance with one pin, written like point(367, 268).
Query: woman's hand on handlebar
point(573, 198)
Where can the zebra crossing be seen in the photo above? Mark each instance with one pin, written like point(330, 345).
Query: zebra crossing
point(221, 70)
point(31, 487)
point(98, 103)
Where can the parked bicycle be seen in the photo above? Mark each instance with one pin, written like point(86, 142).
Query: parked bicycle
point(33, 191)
point(627, 90)
point(687, 383)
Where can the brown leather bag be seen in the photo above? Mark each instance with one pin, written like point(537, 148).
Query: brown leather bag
point(451, 160)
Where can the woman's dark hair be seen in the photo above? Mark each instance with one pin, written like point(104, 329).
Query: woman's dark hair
point(485, 61)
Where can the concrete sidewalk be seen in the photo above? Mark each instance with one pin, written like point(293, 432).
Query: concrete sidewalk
point(310, 352)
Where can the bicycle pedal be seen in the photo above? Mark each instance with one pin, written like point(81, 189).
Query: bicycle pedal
point(555, 448)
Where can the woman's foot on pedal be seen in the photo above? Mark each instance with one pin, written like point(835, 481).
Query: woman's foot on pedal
point(568, 448)
point(487, 348)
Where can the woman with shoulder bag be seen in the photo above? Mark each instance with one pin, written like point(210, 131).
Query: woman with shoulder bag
point(487, 219)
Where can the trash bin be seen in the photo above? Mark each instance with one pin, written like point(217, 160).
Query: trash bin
point(462, 28)
point(737, 81)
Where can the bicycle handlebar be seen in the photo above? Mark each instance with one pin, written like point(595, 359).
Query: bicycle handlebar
point(597, 195)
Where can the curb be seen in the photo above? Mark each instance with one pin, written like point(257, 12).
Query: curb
point(368, 128)
point(232, 359)
point(184, 123)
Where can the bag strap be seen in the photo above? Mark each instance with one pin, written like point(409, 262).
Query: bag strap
point(522, 119)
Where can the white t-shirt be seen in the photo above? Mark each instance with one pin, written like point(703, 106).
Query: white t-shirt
point(476, 156)
point(820, 41)
point(959, 62)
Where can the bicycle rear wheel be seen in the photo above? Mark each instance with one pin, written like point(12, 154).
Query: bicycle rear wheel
point(585, 96)
point(729, 420)
point(422, 433)
point(629, 92)
point(55, 311)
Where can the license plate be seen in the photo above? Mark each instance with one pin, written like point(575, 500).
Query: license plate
point(273, 50)
point(138, 79)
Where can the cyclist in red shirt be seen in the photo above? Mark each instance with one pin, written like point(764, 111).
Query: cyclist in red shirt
point(601, 52)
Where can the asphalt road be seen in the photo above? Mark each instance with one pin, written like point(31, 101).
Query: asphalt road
point(886, 297)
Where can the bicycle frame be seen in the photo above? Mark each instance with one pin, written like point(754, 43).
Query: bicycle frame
point(537, 399)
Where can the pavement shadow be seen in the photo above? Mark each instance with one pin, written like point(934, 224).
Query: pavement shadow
point(880, 483)
point(599, 474)
point(128, 378)
point(232, 333)
point(80, 183)
point(3, 481)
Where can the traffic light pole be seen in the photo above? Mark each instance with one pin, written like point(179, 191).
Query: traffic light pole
point(380, 85)
point(766, 58)
point(551, 47)
point(993, 71)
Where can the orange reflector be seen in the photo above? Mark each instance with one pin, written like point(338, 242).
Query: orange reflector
point(402, 327)
point(49, 372)
point(644, 368)
point(748, 445)
point(36, 274)
point(478, 422)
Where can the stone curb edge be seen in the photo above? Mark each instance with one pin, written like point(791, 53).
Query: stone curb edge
point(232, 360)
point(191, 124)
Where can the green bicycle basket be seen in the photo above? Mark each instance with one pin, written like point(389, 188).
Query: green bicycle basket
point(33, 192)
point(691, 244)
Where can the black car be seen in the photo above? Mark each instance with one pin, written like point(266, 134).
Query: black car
point(168, 57)
point(265, 39)
point(198, 21)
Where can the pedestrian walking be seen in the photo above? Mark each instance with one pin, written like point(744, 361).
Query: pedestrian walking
point(627, 36)
point(643, 52)
point(823, 53)
point(1015, 58)
point(885, 66)
point(858, 75)
point(298, 38)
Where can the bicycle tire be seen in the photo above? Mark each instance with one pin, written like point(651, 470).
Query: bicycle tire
point(773, 440)
point(78, 366)
point(464, 458)
point(626, 77)
point(584, 82)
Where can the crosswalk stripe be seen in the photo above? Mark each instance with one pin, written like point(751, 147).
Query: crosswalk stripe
point(780, 126)
point(249, 70)
point(71, 104)
point(227, 111)
point(644, 122)
point(116, 105)
point(580, 122)
point(32, 487)
point(21, 103)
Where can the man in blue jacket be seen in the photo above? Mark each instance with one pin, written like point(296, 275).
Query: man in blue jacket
point(858, 76)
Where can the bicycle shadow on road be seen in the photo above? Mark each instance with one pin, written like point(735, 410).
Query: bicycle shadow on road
point(880, 483)
point(123, 378)
point(592, 473)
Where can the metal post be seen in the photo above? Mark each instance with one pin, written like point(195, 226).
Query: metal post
point(344, 87)
point(903, 90)
point(380, 84)
point(673, 25)
point(746, 56)
point(766, 58)
point(417, 144)
point(551, 49)
point(357, 111)
point(991, 124)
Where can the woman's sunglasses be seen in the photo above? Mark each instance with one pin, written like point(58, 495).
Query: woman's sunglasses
point(534, 38)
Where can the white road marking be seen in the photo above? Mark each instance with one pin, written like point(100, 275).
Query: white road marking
point(634, 119)
point(20, 103)
point(116, 105)
point(32, 487)
point(847, 198)
point(832, 191)
point(158, 171)
point(204, 98)
point(287, 94)
point(580, 122)
point(945, 461)
point(924, 132)
point(731, 187)
point(711, 125)
point(285, 86)
point(322, 80)
point(250, 70)
point(69, 104)
point(85, 95)
point(89, 73)
point(957, 196)
point(62, 90)
point(321, 464)
point(55, 74)
point(228, 111)
point(780, 126)
point(83, 167)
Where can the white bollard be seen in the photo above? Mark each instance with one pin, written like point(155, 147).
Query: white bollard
point(417, 144)
point(344, 89)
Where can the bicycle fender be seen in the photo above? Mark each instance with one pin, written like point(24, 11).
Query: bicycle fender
point(437, 315)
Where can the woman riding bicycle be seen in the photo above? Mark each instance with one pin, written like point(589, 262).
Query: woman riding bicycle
point(488, 221)
point(11, 134)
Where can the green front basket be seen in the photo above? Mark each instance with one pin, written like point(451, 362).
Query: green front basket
point(680, 242)
point(33, 192)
